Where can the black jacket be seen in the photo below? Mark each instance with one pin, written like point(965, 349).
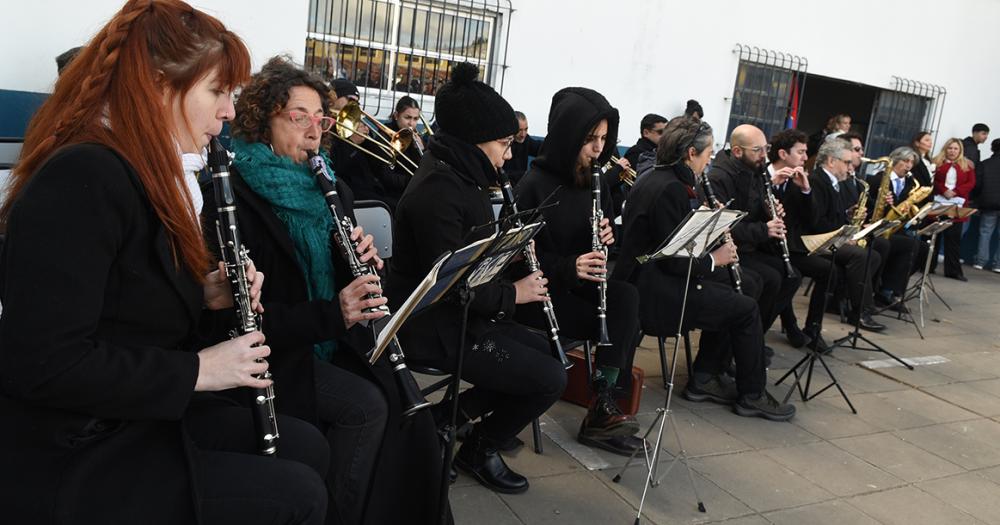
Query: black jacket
point(448, 197)
point(925, 177)
point(971, 150)
point(408, 464)
point(828, 211)
point(95, 375)
point(988, 178)
point(521, 153)
point(370, 179)
point(731, 179)
point(875, 182)
point(567, 233)
point(643, 145)
point(660, 201)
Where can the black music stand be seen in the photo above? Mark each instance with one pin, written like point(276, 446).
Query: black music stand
point(925, 283)
point(850, 341)
point(692, 239)
point(457, 275)
point(898, 305)
point(831, 245)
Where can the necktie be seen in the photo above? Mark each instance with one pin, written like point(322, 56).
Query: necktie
point(898, 184)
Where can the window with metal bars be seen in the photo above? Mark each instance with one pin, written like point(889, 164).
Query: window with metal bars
point(393, 47)
point(900, 113)
point(768, 89)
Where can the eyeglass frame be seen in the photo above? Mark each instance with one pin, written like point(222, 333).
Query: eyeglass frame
point(313, 120)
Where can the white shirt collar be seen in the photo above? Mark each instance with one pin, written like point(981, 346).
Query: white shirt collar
point(833, 180)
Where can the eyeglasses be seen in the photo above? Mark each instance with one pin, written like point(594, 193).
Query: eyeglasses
point(756, 149)
point(846, 161)
point(304, 120)
point(858, 149)
point(506, 142)
point(658, 131)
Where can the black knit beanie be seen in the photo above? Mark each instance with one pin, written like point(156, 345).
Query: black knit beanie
point(472, 111)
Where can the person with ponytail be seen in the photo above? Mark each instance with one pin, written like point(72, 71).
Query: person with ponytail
point(515, 378)
point(730, 322)
point(315, 317)
point(107, 285)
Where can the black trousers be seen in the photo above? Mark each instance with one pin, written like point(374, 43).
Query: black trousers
point(731, 329)
point(353, 413)
point(237, 486)
point(777, 289)
point(515, 379)
point(818, 268)
point(905, 257)
point(850, 260)
point(576, 311)
point(951, 239)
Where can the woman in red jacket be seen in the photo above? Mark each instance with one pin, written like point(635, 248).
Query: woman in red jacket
point(954, 178)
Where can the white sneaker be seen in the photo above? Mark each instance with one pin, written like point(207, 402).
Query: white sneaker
point(996, 269)
point(977, 266)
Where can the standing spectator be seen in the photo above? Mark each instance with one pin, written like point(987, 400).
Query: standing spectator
point(522, 150)
point(694, 110)
point(954, 179)
point(650, 130)
point(980, 132)
point(922, 143)
point(988, 203)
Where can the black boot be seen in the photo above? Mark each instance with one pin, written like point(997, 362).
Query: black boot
point(621, 445)
point(478, 457)
point(813, 331)
point(605, 419)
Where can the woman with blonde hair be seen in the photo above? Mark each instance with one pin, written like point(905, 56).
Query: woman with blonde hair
point(954, 179)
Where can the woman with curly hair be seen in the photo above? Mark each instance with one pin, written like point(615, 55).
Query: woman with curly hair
point(315, 310)
point(107, 395)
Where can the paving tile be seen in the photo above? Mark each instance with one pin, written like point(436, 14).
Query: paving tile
point(480, 506)
point(759, 481)
point(673, 501)
point(969, 397)
point(906, 409)
point(969, 444)
point(831, 512)
point(910, 506)
point(698, 435)
point(901, 459)
point(552, 460)
point(971, 493)
point(569, 499)
point(833, 469)
point(831, 418)
point(746, 520)
point(757, 432)
point(970, 366)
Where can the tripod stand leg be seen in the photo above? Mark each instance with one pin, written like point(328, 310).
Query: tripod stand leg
point(682, 457)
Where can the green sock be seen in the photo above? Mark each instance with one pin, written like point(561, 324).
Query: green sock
point(609, 374)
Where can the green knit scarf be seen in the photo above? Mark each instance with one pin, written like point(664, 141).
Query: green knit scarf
point(297, 200)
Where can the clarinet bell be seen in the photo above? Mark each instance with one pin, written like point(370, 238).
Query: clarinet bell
point(411, 399)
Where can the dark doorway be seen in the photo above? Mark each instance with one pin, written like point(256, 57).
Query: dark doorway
point(824, 97)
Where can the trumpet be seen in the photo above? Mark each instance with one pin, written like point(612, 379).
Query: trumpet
point(392, 148)
point(427, 126)
point(627, 175)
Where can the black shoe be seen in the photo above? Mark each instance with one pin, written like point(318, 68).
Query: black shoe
point(763, 405)
point(452, 475)
point(866, 322)
point(480, 459)
point(883, 300)
point(510, 445)
point(622, 445)
point(717, 389)
point(816, 340)
point(604, 418)
point(768, 351)
point(796, 337)
point(899, 306)
point(958, 277)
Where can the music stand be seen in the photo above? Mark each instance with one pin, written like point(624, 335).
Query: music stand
point(693, 238)
point(904, 313)
point(832, 243)
point(850, 341)
point(925, 283)
point(458, 274)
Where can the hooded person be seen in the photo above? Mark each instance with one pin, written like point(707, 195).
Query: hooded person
point(582, 133)
point(515, 378)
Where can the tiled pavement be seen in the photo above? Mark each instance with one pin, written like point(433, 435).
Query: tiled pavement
point(924, 447)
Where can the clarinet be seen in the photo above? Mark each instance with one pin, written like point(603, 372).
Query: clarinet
point(236, 257)
point(772, 209)
point(533, 266)
point(735, 273)
point(411, 398)
point(596, 216)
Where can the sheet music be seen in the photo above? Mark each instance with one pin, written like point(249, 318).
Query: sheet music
point(700, 229)
point(867, 230)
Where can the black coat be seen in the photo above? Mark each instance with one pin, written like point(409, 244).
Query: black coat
point(448, 197)
point(643, 145)
point(94, 367)
point(369, 178)
point(659, 203)
point(731, 179)
point(971, 150)
point(875, 182)
point(409, 463)
point(521, 153)
point(988, 178)
point(921, 173)
point(828, 211)
point(798, 215)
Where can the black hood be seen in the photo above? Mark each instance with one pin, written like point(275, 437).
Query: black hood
point(574, 112)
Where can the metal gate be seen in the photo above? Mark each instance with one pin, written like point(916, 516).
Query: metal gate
point(769, 87)
point(900, 113)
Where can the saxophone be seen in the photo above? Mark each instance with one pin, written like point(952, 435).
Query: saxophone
point(861, 211)
point(883, 189)
point(910, 206)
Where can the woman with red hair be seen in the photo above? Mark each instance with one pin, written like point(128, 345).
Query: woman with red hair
point(954, 178)
point(105, 281)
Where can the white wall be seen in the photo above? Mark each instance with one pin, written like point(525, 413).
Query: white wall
point(651, 56)
point(36, 31)
point(644, 55)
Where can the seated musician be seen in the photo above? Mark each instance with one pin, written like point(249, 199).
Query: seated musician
point(659, 202)
point(826, 211)
point(582, 130)
point(514, 376)
point(736, 178)
point(906, 254)
point(314, 306)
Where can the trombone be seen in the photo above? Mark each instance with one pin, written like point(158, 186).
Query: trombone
point(427, 126)
point(392, 148)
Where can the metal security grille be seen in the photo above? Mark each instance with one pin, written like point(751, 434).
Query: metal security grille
point(768, 88)
point(900, 113)
point(389, 48)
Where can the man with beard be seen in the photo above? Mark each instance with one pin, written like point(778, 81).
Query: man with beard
point(736, 176)
point(521, 150)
